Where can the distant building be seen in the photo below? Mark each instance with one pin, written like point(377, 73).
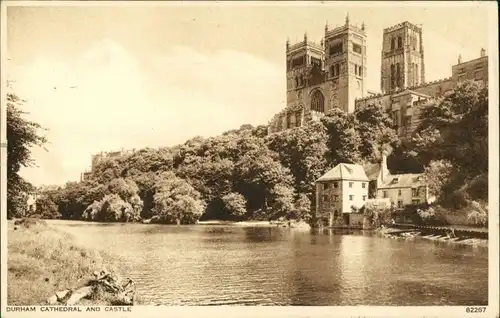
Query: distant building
point(400, 189)
point(332, 74)
point(31, 201)
point(85, 175)
point(339, 191)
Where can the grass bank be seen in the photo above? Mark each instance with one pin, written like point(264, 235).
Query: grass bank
point(43, 260)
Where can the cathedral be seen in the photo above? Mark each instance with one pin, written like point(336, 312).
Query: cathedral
point(332, 74)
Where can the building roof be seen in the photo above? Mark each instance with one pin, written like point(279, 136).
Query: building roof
point(408, 180)
point(372, 170)
point(345, 171)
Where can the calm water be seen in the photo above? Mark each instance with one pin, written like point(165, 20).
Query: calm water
point(230, 265)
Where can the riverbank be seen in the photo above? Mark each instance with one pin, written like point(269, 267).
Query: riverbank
point(43, 261)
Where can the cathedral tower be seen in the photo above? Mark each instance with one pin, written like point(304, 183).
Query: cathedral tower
point(345, 63)
point(300, 59)
point(402, 58)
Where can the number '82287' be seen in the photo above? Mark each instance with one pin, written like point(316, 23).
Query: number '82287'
point(473, 310)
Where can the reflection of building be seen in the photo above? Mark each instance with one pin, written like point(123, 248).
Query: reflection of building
point(332, 75)
point(339, 190)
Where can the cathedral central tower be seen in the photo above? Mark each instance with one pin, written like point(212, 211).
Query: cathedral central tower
point(402, 58)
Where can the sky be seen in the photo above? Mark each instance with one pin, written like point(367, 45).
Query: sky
point(105, 78)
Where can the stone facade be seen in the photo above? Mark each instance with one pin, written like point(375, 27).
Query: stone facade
point(340, 190)
point(332, 75)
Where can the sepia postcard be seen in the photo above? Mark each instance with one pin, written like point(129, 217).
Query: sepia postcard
point(249, 159)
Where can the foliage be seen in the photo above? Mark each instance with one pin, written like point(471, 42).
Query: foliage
point(176, 201)
point(247, 174)
point(376, 131)
point(344, 140)
point(478, 213)
point(378, 212)
point(437, 175)
point(46, 208)
point(22, 135)
point(234, 204)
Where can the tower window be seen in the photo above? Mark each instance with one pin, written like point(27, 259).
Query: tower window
point(318, 101)
point(337, 69)
point(398, 75)
point(393, 44)
point(400, 42)
point(393, 76)
point(356, 48)
point(336, 49)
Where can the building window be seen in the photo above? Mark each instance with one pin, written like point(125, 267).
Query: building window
point(337, 69)
point(416, 74)
point(400, 204)
point(335, 185)
point(364, 198)
point(326, 186)
point(325, 198)
point(363, 185)
point(400, 42)
point(415, 201)
point(318, 102)
point(398, 75)
point(350, 184)
point(356, 48)
point(336, 49)
point(414, 192)
point(393, 44)
point(393, 76)
point(385, 194)
point(399, 192)
point(351, 197)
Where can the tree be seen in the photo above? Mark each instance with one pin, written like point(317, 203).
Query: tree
point(303, 151)
point(234, 204)
point(376, 131)
point(176, 201)
point(22, 135)
point(437, 175)
point(343, 138)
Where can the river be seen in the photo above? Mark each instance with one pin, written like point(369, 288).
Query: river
point(234, 265)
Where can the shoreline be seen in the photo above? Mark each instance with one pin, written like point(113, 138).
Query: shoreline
point(49, 266)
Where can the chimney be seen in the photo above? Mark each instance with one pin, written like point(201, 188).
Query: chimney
point(383, 166)
point(483, 52)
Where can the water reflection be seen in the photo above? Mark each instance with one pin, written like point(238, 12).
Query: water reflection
point(224, 265)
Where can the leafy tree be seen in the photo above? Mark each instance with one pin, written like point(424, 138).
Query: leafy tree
point(343, 139)
point(303, 151)
point(22, 135)
point(376, 131)
point(437, 175)
point(234, 204)
point(303, 208)
point(176, 201)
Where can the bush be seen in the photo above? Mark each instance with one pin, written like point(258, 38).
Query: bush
point(234, 204)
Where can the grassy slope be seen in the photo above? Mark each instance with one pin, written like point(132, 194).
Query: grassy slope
point(43, 260)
